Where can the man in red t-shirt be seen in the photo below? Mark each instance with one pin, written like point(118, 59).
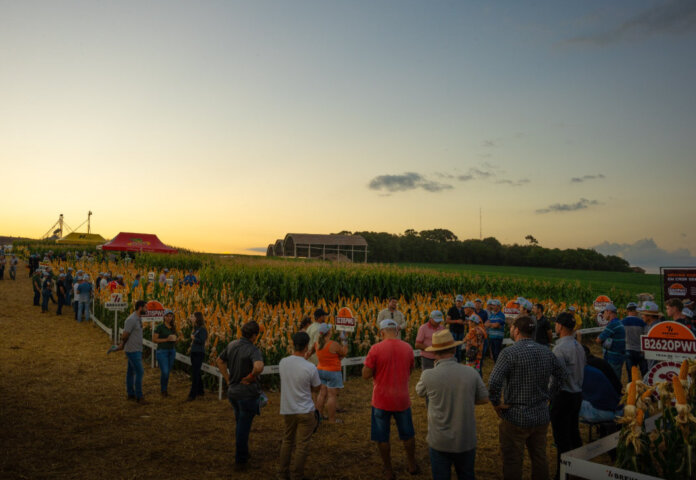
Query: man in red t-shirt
point(390, 363)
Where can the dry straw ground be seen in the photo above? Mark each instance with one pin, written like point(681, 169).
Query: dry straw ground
point(64, 414)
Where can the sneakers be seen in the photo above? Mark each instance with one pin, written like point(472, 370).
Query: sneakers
point(131, 397)
point(142, 401)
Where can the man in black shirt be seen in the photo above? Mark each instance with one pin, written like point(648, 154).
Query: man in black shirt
point(456, 320)
point(542, 334)
point(241, 364)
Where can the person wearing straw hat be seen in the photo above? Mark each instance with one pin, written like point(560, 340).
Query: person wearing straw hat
point(452, 389)
point(389, 364)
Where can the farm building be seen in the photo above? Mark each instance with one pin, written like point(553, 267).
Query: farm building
point(349, 248)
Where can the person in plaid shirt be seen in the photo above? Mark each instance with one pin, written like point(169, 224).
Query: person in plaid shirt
point(525, 369)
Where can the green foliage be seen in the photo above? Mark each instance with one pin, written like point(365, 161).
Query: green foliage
point(442, 246)
point(278, 281)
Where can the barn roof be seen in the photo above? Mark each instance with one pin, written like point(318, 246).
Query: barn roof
point(316, 239)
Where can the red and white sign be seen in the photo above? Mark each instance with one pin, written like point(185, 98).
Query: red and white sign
point(117, 302)
point(154, 313)
point(677, 289)
point(601, 303)
point(345, 322)
point(669, 341)
point(662, 372)
point(511, 310)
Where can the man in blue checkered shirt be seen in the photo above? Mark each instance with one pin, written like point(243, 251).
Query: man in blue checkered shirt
point(525, 370)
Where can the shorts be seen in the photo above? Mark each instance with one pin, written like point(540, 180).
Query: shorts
point(331, 379)
point(381, 423)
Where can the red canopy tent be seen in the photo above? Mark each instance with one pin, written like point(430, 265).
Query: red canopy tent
point(137, 242)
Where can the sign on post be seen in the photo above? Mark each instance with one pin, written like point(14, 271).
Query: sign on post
point(669, 343)
point(345, 322)
point(600, 303)
point(511, 310)
point(151, 277)
point(117, 303)
point(154, 313)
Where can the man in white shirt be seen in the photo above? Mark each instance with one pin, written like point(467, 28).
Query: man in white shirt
point(392, 313)
point(298, 379)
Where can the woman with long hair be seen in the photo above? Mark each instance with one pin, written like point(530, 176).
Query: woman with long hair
point(329, 354)
point(198, 340)
point(165, 338)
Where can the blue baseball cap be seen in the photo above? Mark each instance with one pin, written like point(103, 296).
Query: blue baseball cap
point(437, 316)
point(609, 308)
point(469, 304)
point(459, 298)
point(324, 328)
point(631, 305)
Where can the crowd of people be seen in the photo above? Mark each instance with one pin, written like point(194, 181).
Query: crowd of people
point(534, 383)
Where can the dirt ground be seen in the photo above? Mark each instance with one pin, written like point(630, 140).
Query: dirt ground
point(64, 414)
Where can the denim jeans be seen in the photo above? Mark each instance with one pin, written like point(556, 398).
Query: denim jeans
point(83, 311)
point(45, 296)
point(165, 358)
point(617, 366)
point(244, 411)
point(196, 379)
point(37, 297)
point(441, 464)
point(134, 374)
point(458, 352)
point(496, 345)
point(636, 358)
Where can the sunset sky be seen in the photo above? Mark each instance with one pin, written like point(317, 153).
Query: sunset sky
point(223, 125)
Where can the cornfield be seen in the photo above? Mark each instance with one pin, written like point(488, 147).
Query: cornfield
point(227, 306)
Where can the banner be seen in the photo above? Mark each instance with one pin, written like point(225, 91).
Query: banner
point(154, 313)
point(679, 283)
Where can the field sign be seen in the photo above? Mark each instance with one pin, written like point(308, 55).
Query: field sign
point(345, 322)
point(511, 310)
point(679, 283)
point(170, 282)
point(151, 277)
point(599, 305)
point(117, 302)
point(154, 313)
point(669, 341)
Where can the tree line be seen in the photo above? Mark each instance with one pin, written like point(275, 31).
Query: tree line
point(442, 246)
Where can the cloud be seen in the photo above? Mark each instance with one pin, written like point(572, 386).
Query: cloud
point(669, 17)
point(489, 172)
point(258, 249)
point(646, 254)
point(584, 178)
point(581, 204)
point(405, 182)
point(489, 143)
point(513, 183)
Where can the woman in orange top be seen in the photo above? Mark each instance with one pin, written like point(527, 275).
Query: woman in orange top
point(329, 353)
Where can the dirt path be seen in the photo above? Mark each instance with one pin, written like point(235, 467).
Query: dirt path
point(64, 414)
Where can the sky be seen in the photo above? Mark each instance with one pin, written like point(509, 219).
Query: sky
point(223, 125)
